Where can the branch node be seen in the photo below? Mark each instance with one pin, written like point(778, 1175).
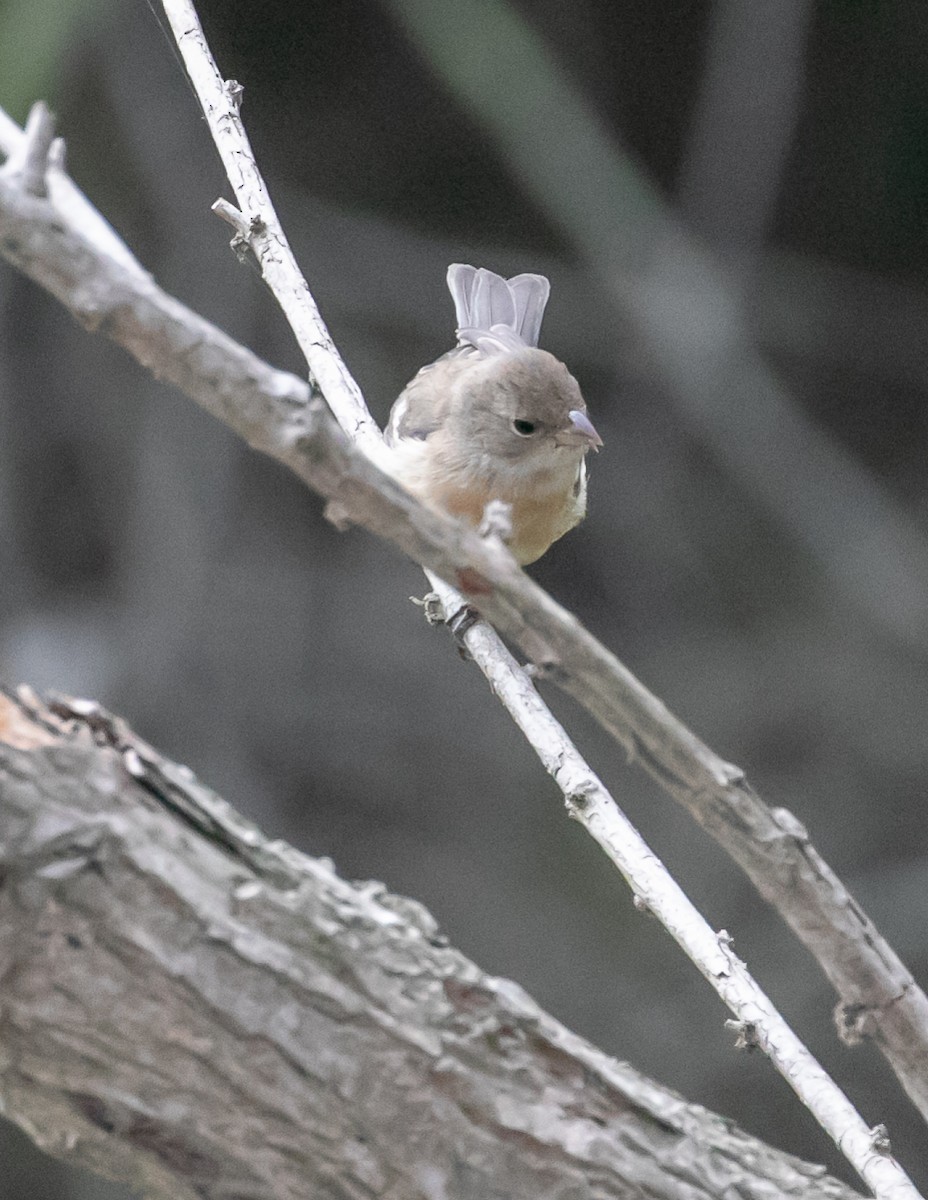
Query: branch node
point(856, 1023)
point(747, 1037)
point(240, 247)
point(460, 623)
point(548, 669)
point(232, 216)
point(30, 162)
point(791, 826)
point(336, 513)
point(730, 775)
point(234, 92)
point(642, 906)
point(881, 1145)
point(132, 761)
point(578, 800)
point(244, 228)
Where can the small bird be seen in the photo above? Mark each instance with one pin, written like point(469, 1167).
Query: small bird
point(496, 418)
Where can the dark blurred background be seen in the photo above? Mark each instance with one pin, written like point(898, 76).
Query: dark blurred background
point(730, 200)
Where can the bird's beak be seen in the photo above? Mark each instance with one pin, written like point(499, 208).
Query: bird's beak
point(579, 431)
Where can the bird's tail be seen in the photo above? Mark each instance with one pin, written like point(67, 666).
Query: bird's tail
point(508, 310)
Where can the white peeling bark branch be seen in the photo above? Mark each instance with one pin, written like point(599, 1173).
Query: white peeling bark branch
point(273, 1032)
point(306, 439)
point(258, 226)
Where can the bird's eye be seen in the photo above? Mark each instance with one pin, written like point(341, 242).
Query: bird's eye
point(524, 428)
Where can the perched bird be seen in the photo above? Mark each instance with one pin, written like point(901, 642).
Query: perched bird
point(496, 418)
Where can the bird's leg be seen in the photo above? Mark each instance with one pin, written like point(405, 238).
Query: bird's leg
point(432, 608)
point(496, 523)
point(457, 622)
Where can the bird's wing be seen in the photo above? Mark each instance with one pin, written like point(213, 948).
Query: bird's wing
point(422, 406)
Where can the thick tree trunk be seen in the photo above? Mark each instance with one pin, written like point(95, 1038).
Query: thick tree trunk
point(197, 1011)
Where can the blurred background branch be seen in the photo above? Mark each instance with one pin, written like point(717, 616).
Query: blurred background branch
point(742, 129)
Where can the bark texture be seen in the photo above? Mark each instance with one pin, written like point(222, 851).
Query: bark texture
point(203, 1013)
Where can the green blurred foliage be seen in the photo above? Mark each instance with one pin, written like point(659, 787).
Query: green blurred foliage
point(35, 39)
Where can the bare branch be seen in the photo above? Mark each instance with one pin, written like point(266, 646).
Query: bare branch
point(221, 100)
point(135, 313)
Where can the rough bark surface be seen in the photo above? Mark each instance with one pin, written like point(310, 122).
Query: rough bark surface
point(203, 1013)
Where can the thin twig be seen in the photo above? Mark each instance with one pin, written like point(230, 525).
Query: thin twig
point(597, 811)
point(40, 131)
point(67, 196)
point(222, 101)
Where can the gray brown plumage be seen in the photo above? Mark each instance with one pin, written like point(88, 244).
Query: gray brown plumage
point(496, 418)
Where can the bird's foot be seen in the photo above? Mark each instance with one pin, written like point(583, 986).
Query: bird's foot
point(459, 622)
point(432, 608)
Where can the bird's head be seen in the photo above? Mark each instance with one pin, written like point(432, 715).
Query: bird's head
point(522, 406)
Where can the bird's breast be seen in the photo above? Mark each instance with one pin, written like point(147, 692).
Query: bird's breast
point(546, 501)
